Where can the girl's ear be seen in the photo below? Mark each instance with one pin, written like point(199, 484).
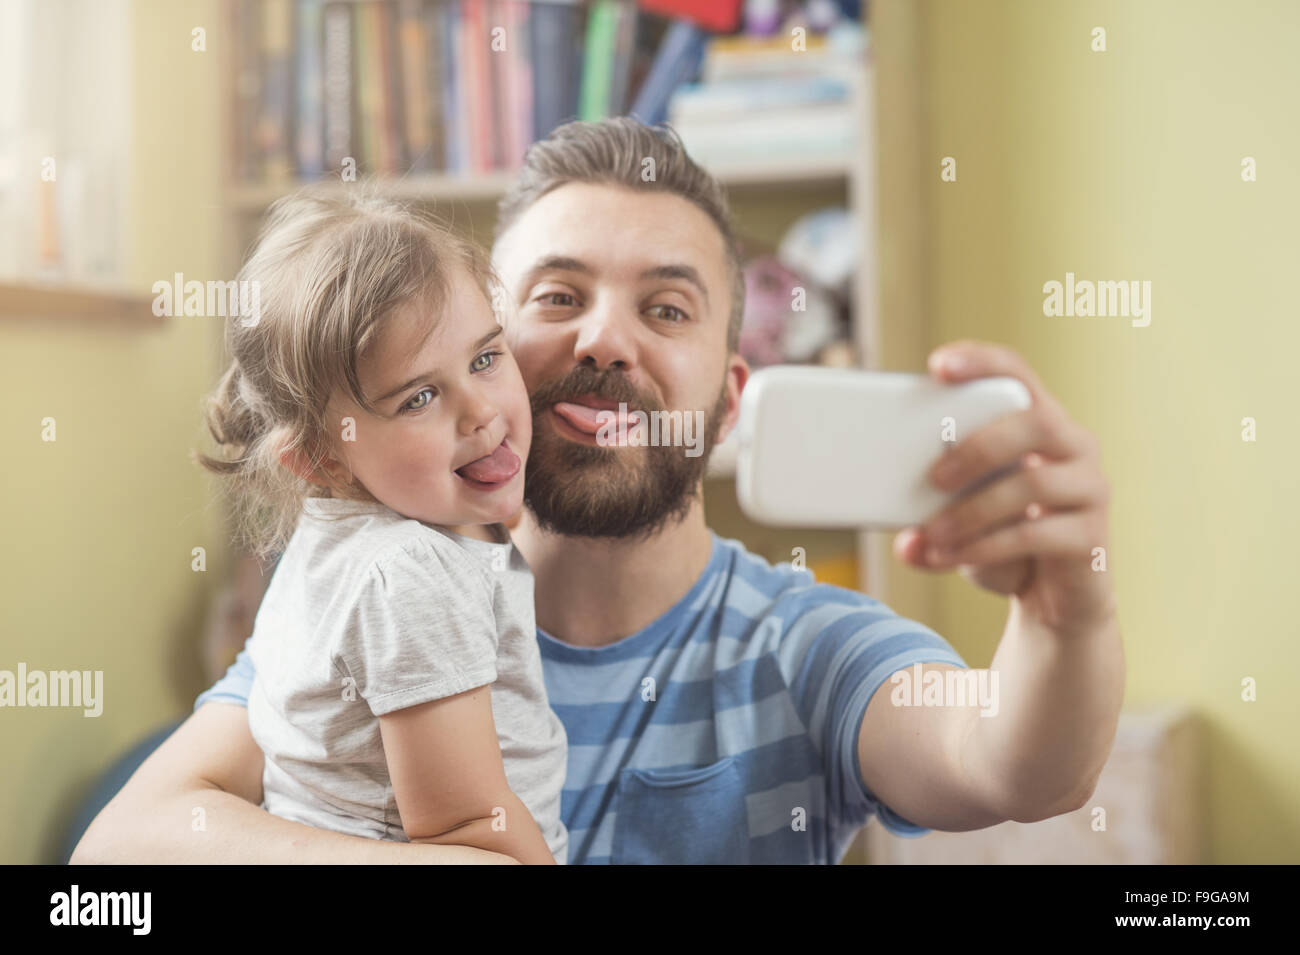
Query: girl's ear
point(298, 461)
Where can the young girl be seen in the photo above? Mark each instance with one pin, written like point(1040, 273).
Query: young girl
point(374, 418)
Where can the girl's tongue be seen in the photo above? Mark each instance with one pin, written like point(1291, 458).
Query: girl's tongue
point(501, 465)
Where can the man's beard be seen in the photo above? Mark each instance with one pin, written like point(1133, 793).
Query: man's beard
point(614, 492)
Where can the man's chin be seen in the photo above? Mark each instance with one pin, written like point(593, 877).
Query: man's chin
point(605, 493)
point(584, 490)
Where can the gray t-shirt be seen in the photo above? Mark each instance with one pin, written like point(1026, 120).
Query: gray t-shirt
point(370, 612)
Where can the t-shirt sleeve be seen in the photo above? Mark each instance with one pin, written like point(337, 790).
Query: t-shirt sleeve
point(845, 655)
point(422, 628)
point(234, 686)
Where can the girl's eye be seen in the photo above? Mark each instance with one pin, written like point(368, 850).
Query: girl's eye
point(487, 354)
point(676, 316)
point(550, 299)
point(415, 404)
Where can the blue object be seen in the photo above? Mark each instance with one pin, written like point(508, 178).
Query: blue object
point(680, 55)
point(110, 784)
point(704, 737)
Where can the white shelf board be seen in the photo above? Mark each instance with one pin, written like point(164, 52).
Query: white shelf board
point(488, 187)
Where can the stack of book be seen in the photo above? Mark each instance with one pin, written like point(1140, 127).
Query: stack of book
point(452, 86)
point(762, 100)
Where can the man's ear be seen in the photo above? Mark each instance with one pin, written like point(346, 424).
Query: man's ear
point(736, 376)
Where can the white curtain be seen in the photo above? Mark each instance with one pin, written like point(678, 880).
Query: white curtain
point(65, 123)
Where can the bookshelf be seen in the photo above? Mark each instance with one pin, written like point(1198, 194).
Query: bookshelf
point(767, 196)
point(34, 300)
point(489, 187)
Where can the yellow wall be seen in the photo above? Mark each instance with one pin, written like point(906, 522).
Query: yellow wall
point(99, 524)
point(1127, 165)
point(1117, 165)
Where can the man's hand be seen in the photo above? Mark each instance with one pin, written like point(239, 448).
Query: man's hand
point(1030, 535)
point(213, 763)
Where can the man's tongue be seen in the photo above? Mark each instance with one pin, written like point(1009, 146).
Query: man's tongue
point(586, 418)
point(501, 465)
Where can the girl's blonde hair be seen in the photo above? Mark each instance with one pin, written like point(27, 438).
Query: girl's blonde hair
point(330, 268)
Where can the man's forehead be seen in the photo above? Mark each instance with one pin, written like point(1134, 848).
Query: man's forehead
point(598, 225)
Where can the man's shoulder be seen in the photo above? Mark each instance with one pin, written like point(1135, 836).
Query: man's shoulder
point(784, 579)
point(758, 588)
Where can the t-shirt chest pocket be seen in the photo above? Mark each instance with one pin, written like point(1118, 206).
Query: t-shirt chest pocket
point(681, 817)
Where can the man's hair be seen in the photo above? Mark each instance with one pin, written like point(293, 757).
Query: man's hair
point(616, 151)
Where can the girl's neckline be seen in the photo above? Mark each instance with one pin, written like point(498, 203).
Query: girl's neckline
point(339, 505)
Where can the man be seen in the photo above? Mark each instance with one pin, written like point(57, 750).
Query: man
point(718, 709)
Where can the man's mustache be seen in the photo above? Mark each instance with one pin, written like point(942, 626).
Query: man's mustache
point(582, 382)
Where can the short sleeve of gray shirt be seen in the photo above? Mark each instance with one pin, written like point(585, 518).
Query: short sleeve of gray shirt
point(369, 612)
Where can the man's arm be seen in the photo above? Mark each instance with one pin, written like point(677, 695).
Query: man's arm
point(911, 761)
point(1039, 755)
point(1038, 535)
point(211, 763)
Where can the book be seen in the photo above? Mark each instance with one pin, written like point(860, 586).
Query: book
point(310, 82)
point(455, 128)
point(747, 57)
point(391, 106)
point(625, 31)
point(822, 133)
point(276, 118)
point(556, 65)
point(413, 56)
point(247, 89)
point(717, 16)
point(518, 83)
point(725, 98)
point(496, 42)
point(678, 61)
point(466, 86)
point(432, 18)
point(369, 90)
point(598, 60)
point(473, 81)
point(337, 56)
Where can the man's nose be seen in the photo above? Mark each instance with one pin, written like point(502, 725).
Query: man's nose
point(606, 338)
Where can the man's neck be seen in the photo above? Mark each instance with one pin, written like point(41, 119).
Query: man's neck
point(591, 593)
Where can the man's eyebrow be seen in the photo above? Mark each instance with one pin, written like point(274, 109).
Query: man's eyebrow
point(678, 271)
point(565, 263)
point(559, 263)
point(407, 384)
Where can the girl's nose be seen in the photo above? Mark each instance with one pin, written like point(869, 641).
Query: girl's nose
point(477, 413)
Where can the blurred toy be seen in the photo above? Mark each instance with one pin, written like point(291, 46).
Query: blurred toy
point(823, 246)
point(767, 17)
point(796, 301)
point(762, 17)
point(787, 318)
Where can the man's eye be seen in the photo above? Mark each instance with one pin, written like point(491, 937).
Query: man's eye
point(675, 314)
point(415, 404)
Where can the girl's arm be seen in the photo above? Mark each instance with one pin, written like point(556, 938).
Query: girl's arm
point(444, 759)
point(211, 763)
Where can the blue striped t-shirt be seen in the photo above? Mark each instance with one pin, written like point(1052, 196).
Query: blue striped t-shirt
point(725, 731)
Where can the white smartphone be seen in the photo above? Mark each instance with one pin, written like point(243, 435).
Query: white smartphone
point(835, 447)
